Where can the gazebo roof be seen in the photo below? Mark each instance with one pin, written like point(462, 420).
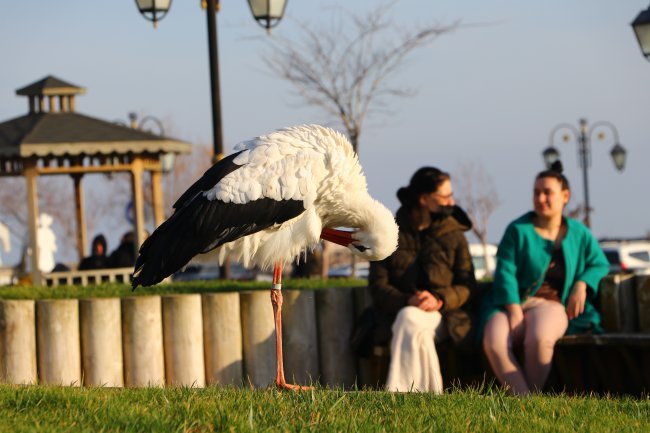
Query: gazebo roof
point(50, 85)
point(54, 133)
point(44, 133)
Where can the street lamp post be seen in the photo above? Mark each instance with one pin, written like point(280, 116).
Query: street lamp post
point(583, 137)
point(641, 26)
point(267, 13)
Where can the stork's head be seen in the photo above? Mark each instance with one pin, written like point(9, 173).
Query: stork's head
point(374, 232)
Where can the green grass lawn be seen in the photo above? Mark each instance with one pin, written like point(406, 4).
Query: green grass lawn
point(120, 290)
point(57, 409)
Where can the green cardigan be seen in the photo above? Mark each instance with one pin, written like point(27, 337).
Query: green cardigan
point(522, 259)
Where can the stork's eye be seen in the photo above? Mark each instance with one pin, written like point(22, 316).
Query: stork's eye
point(361, 248)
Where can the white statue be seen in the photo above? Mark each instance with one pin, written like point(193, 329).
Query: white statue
point(4, 239)
point(46, 243)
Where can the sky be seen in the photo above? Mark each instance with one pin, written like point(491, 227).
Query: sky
point(487, 94)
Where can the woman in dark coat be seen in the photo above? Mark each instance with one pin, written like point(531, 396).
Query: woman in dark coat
point(422, 286)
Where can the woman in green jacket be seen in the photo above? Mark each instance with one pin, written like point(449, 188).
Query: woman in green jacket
point(548, 270)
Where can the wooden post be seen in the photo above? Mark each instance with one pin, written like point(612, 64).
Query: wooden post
point(80, 214)
point(335, 308)
point(618, 303)
point(370, 370)
point(222, 338)
point(183, 340)
point(101, 342)
point(17, 342)
point(258, 337)
point(142, 341)
point(157, 196)
point(643, 302)
point(31, 175)
point(138, 201)
point(57, 335)
point(299, 337)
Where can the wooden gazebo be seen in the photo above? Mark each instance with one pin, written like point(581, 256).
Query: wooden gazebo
point(52, 138)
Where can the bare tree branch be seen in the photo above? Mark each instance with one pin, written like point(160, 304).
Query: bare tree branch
point(476, 194)
point(345, 70)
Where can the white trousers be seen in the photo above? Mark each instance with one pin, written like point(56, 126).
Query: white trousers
point(414, 364)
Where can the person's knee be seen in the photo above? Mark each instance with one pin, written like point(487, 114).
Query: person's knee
point(537, 343)
point(413, 317)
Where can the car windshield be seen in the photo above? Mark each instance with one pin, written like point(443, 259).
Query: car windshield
point(641, 255)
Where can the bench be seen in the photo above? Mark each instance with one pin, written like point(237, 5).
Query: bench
point(607, 363)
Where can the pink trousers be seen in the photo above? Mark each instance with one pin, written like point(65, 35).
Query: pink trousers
point(545, 322)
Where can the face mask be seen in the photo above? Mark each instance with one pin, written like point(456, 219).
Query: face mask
point(444, 211)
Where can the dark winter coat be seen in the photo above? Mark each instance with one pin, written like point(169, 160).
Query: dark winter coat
point(436, 259)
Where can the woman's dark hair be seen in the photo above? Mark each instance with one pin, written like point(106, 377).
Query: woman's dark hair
point(426, 179)
point(555, 172)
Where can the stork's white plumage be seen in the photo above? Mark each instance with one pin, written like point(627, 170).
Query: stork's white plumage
point(277, 196)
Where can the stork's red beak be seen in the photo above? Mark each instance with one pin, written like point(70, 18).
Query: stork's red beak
point(340, 237)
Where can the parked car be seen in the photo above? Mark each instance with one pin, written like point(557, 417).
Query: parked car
point(202, 272)
point(627, 255)
point(345, 271)
point(484, 266)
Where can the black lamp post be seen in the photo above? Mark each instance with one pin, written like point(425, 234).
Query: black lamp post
point(583, 137)
point(641, 26)
point(267, 12)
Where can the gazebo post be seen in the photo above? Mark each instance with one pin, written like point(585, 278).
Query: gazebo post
point(137, 168)
point(157, 197)
point(31, 174)
point(80, 213)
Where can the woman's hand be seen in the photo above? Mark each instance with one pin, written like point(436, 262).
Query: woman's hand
point(516, 320)
point(424, 300)
point(575, 305)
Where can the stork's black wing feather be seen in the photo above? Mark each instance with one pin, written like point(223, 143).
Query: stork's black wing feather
point(200, 225)
point(210, 178)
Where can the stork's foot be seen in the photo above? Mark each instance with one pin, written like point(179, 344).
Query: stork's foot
point(283, 386)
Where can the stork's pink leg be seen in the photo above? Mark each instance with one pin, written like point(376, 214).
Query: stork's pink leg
point(276, 300)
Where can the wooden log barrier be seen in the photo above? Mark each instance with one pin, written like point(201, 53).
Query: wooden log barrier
point(258, 338)
point(300, 337)
point(222, 338)
point(57, 336)
point(643, 302)
point(17, 342)
point(335, 312)
point(371, 370)
point(142, 341)
point(101, 342)
point(183, 340)
point(618, 303)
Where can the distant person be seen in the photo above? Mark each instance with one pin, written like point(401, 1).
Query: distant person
point(548, 270)
point(422, 286)
point(124, 255)
point(4, 239)
point(46, 243)
point(97, 258)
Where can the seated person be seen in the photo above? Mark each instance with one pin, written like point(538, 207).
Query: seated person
point(124, 254)
point(97, 258)
point(422, 285)
point(548, 271)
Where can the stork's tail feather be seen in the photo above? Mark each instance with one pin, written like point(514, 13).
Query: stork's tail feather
point(166, 251)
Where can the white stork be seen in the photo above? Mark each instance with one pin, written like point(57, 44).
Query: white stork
point(275, 197)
